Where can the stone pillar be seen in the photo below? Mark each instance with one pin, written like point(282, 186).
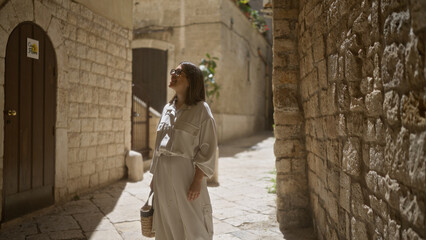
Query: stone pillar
point(292, 184)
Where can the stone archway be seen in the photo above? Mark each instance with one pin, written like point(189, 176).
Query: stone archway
point(36, 12)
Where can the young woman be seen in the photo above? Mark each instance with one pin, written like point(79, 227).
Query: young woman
point(184, 155)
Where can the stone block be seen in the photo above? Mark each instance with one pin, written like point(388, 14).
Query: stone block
point(285, 97)
point(334, 152)
point(393, 73)
point(288, 148)
point(91, 153)
point(285, 76)
point(341, 126)
point(351, 161)
point(288, 131)
point(416, 160)
point(392, 191)
point(352, 67)
point(376, 157)
point(330, 124)
point(55, 33)
point(343, 98)
point(411, 115)
point(332, 207)
point(103, 177)
point(374, 103)
point(283, 165)
point(94, 180)
point(73, 125)
point(87, 124)
point(332, 64)
point(322, 74)
point(370, 130)
point(88, 168)
point(358, 230)
point(42, 15)
point(88, 139)
point(380, 131)
point(410, 234)
point(355, 124)
point(318, 49)
point(298, 217)
point(379, 206)
point(357, 104)
point(8, 19)
point(414, 65)
point(393, 230)
point(412, 209)
point(102, 151)
point(74, 170)
point(333, 181)
point(397, 27)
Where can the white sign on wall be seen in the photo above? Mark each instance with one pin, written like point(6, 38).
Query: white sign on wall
point(32, 48)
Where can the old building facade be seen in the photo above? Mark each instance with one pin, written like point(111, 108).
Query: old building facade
point(349, 97)
point(90, 71)
point(187, 30)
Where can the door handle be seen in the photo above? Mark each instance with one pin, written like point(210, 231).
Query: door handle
point(11, 113)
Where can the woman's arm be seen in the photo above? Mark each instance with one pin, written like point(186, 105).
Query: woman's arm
point(194, 190)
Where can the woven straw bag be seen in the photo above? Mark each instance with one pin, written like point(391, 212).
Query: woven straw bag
point(147, 212)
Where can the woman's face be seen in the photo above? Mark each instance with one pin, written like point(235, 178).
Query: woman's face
point(178, 81)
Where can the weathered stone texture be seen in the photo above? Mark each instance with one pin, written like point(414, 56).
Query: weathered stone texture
point(361, 87)
point(292, 184)
point(94, 78)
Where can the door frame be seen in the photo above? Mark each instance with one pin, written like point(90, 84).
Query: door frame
point(160, 45)
point(53, 33)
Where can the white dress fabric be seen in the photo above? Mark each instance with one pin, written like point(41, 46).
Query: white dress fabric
point(185, 138)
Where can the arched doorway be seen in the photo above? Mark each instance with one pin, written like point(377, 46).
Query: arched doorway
point(30, 114)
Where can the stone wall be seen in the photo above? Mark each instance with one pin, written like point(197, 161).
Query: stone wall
point(363, 92)
point(362, 88)
point(292, 187)
point(94, 90)
point(195, 28)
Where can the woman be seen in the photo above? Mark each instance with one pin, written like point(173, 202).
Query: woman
point(184, 155)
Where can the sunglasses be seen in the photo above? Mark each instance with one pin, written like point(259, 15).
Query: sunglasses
point(176, 72)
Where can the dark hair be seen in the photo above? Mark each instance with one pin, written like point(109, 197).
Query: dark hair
point(196, 91)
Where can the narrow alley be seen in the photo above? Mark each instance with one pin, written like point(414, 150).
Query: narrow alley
point(242, 206)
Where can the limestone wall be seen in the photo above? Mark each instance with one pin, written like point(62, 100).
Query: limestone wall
point(363, 91)
point(94, 90)
point(292, 186)
point(195, 28)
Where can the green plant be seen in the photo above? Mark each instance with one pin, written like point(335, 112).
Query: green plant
point(256, 20)
point(273, 188)
point(208, 66)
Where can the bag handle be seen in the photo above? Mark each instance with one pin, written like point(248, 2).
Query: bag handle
point(147, 201)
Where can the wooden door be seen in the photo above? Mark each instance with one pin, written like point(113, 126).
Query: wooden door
point(149, 90)
point(150, 76)
point(30, 114)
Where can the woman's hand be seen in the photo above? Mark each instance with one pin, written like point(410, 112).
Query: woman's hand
point(195, 188)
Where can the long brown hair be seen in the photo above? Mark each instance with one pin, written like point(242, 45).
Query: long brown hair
point(196, 91)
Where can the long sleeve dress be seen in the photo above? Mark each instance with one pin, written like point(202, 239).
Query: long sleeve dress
point(185, 138)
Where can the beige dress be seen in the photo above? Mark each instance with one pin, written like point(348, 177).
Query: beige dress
point(185, 138)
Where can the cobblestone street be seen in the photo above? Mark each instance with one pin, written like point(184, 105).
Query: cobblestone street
point(242, 206)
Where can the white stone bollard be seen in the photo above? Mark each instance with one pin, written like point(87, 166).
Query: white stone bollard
point(134, 163)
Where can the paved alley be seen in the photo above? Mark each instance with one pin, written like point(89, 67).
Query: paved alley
point(242, 206)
